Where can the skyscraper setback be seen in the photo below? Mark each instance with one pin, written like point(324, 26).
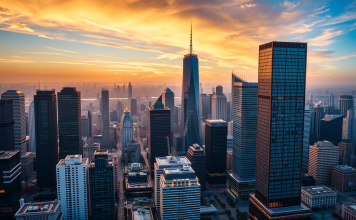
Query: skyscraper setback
point(280, 121)
point(190, 113)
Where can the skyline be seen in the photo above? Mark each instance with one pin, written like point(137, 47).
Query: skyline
point(141, 41)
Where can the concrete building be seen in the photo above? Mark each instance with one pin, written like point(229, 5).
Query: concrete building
point(162, 163)
point(40, 210)
point(112, 155)
point(323, 156)
point(180, 194)
point(126, 131)
point(218, 105)
point(343, 178)
point(72, 187)
point(348, 212)
point(318, 197)
point(89, 150)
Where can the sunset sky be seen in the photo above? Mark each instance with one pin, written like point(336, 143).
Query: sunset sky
point(118, 41)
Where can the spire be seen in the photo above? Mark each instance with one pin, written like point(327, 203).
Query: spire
point(191, 36)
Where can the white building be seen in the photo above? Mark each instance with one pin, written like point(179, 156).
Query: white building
point(179, 194)
point(39, 211)
point(162, 163)
point(31, 127)
point(89, 149)
point(318, 196)
point(126, 131)
point(219, 107)
point(72, 187)
point(323, 156)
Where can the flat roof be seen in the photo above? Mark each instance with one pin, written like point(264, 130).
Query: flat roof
point(141, 214)
point(7, 154)
point(216, 123)
point(344, 168)
point(318, 190)
point(172, 161)
point(38, 208)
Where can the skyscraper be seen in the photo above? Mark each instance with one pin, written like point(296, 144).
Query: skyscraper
point(346, 102)
point(280, 123)
point(133, 104)
point(204, 106)
point(32, 127)
point(119, 110)
point(126, 131)
point(241, 181)
point(69, 119)
point(105, 103)
point(18, 102)
point(129, 89)
point(72, 185)
point(168, 102)
point(106, 135)
point(306, 139)
point(46, 139)
point(7, 140)
point(349, 126)
point(216, 150)
point(315, 120)
point(90, 123)
point(159, 128)
point(84, 124)
point(190, 113)
point(219, 105)
point(331, 101)
point(331, 129)
point(197, 157)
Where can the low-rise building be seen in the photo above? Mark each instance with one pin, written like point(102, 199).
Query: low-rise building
point(137, 185)
point(134, 168)
point(308, 180)
point(40, 210)
point(318, 196)
point(348, 212)
point(344, 178)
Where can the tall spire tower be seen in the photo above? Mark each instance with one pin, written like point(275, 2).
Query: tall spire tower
point(191, 41)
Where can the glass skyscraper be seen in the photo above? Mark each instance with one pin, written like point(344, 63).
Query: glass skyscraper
point(280, 123)
point(190, 113)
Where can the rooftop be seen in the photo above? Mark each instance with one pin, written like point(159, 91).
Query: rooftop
point(141, 214)
point(317, 190)
point(12, 92)
point(344, 168)
point(331, 117)
point(73, 160)
point(7, 154)
point(216, 123)
point(179, 173)
point(38, 208)
point(324, 144)
point(168, 161)
point(101, 152)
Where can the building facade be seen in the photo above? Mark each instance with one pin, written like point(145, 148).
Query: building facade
point(343, 178)
point(105, 104)
point(349, 126)
point(219, 106)
point(197, 157)
point(331, 129)
point(346, 102)
point(7, 128)
point(133, 152)
point(72, 187)
point(316, 115)
point(31, 127)
point(348, 212)
point(27, 166)
point(126, 131)
point(306, 139)
point(318, 197)
point(40, 210)
point(168, 102)
point(89, 150)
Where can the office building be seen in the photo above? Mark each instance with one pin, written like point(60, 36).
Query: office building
point(46, 139)
point(316, 115)
point(308, 180)
point(119, 110)
point(126, 131)
point(177, 145)
point(40, 210)
point(197, 157)
point(218, 105)
point(323, 156)
point(113, 116)
point(27, 166)
point(215, 150)
point(306, 139)
point(318, 197)
point(101, 182)
point(349, 126)
point(137, 184)
point(164, 163)
point(90, 124)
point(279, 139)
point(180, 194)
point(241, 181)
point(346, 102)
point(331, 128)
point(106, 135)
point(190, 111)
point(72, 187)
point(84, 126)
point(115, 163)
point(133, 152)
point(204, 106)
point(105, 103)
point(159, 128)
point(331, 101)
point(133, 107)
point(129, 88)
point(69, 120)
point(89, 150)
point(7, 125)
point(343, 178)
point(31, 127)
point(348, 211)
point(346, 153)
point(19, 116)
point(10, 184)
point(168, 102)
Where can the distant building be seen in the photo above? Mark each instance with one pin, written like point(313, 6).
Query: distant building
point(69, 122)
point(46, 139)
point(133, 152)
point(19, 116)
point(7, 122)
point(349, 126)
point(126, 131)
point(90, 123)
point(179, 193)
point(346, 102)
point(343, 178)
point(346, 153)
point(101, 182)
point(113, 116)
point(105, 103)
point(197, 157)
point(133, 107)
point(204, 106)
point(119, 110)
point(215, 150)
point(168, 102)
point(219, 107)
point(72, 185)
point(40, 210)
point(32, 127)
point(323, 156)
point(27, 166)
point(85, 126)
point(318, 197)
point(331, 128)
point(106, 142)
point(89, 150)
point(316, 115)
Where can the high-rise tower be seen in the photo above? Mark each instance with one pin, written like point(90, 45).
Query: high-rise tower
point(346, 102)
point(219, 105)
point(126, 131)
point(168, 102)
point(279, 139)
point(105, 103)
point(31, 127)
point(190, 113)
point(129, 88)
point(7, 125)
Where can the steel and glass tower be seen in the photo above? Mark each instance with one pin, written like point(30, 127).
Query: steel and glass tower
point(279, 139)
point(190, 113)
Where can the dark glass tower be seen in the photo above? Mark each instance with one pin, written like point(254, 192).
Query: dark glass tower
point(105, 103)
point(168, 101)
point(331, 129)
point(159, 127)
point(197, 157)
point(10, 184)
point(190, 112)
point(346, 102)
point(69, 122)
point(46, 139)
point(280, 123)
point(133, 107)
point(216, 150)
point(6, 125)
point(101, 181)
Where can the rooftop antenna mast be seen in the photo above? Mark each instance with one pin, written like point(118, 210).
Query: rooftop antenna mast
point(191, 36)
